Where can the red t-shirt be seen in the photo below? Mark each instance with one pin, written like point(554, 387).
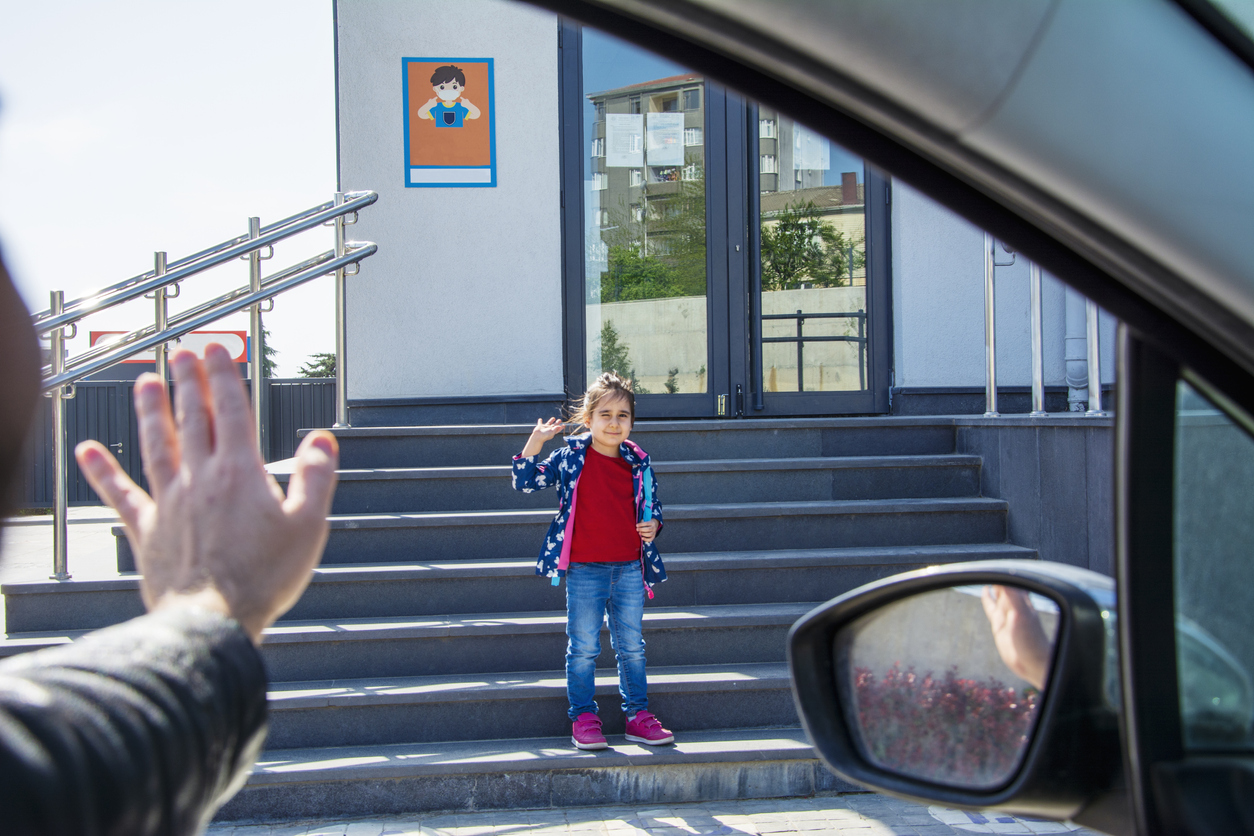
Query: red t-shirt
point(605, 512)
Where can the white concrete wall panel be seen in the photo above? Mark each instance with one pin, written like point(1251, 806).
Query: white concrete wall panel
point(464, 295)
point(938, 304)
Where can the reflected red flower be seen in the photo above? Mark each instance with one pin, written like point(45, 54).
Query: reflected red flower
point(951, 730)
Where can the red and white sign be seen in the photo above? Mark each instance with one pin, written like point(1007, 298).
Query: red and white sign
point(235, 342)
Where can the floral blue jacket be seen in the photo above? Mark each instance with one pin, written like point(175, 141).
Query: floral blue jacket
point(562, 468)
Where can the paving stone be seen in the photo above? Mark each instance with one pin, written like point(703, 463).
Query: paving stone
point(404, 828)
point(363, 828)
point(331, 829)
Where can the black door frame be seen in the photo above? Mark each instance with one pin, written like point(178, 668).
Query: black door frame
point(734, 328)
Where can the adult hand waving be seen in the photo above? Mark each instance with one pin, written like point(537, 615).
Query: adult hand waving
point(217, 531)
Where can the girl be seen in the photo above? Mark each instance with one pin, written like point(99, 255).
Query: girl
point(606, 552)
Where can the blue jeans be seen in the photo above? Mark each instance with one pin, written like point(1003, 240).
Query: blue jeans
point(592, 591)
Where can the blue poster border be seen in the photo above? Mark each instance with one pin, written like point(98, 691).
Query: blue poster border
point(409, 168)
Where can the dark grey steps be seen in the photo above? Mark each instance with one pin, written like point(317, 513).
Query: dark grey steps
point(421, 537)
point(389, 490)
point(459, 446)
point(436, 645)
point(350, 781)
point(517, 705)
point(376, 591)
point(440, 645)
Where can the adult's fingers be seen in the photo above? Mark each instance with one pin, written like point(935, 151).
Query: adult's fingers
point(108, 479)
point(232, 416)
point(312, 485)
point(158, 437)
point(191, 396)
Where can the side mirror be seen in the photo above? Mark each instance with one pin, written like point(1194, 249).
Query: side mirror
point(982, 685)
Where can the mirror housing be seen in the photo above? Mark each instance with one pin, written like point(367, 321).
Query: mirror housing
point(1072, 759)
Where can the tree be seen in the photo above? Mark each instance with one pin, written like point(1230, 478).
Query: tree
point(800, 249)
point(321, 364)
point(614, 357)
point(672, 380)
point(657, 248)
point(268, 352)
point(634, 276)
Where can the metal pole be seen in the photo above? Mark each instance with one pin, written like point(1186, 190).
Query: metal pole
point(800, 354)
point(60, 528)
point(1038, 361)
point(163, 368)
point(257, 355)
point(341, 332)
point(1094, 361)
point(861, 349)
point(990, 329)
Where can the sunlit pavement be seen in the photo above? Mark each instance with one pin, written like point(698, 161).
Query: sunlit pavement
point(861, 814)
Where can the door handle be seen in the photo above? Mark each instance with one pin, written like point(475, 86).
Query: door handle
point(118, 445)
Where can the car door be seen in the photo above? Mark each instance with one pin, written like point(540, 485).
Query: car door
point(1185, 553)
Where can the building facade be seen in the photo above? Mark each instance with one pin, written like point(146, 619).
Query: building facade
point(646, 219)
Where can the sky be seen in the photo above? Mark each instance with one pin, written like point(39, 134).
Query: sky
point(130, 126)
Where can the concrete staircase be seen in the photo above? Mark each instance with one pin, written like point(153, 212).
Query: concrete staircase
point(423, 668)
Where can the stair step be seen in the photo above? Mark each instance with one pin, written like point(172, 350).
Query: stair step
point(491, 444)
point(400, 489)
point(437, 645)
point(438, 536)
point(518, 704)
point(529, 773)
point(372, 591)
point(483, 643)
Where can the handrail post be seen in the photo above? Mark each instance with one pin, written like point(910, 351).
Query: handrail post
point(990, 328)
point(341, 329)
point(60, 527)
point(257, 354)
point(800, 353)
point(161, 318)
point(1094, 361)
point(1038, 360)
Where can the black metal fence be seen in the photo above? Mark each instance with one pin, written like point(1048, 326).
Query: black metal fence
point(105, 411)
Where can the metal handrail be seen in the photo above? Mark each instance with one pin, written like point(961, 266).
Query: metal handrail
point(111, 347)
point(1038, 374)
point(800, 339)
point(216, 256)
point(233, 303)
point(60, 321)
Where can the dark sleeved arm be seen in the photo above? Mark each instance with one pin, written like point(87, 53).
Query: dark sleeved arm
point(530, 474)
point(143, 728)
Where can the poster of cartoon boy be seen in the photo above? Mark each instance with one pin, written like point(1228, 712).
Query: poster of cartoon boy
point(447, 107)
point(450, 137)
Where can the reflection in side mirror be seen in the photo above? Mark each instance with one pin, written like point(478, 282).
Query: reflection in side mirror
point(945, 686)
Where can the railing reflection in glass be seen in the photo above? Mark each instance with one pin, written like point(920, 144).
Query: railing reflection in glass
point(946, 686)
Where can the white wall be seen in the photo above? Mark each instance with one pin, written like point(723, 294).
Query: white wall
point(938, 305)
point(464, 295)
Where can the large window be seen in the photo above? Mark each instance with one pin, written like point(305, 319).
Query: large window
point(813, 260)
point(645, 286)
point(727, 259)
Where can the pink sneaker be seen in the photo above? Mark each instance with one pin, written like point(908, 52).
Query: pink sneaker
point(645, 728)
point(586, 732)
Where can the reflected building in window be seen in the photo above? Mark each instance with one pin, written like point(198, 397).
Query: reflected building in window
point(648, 140)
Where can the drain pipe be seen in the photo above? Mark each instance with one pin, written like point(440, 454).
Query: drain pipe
point(1077, 352)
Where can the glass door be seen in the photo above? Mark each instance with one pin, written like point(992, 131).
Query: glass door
point(646, 282)
point(813, 347)
point(723, 257)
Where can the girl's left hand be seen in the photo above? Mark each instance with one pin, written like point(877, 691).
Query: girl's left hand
point(647, 530)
